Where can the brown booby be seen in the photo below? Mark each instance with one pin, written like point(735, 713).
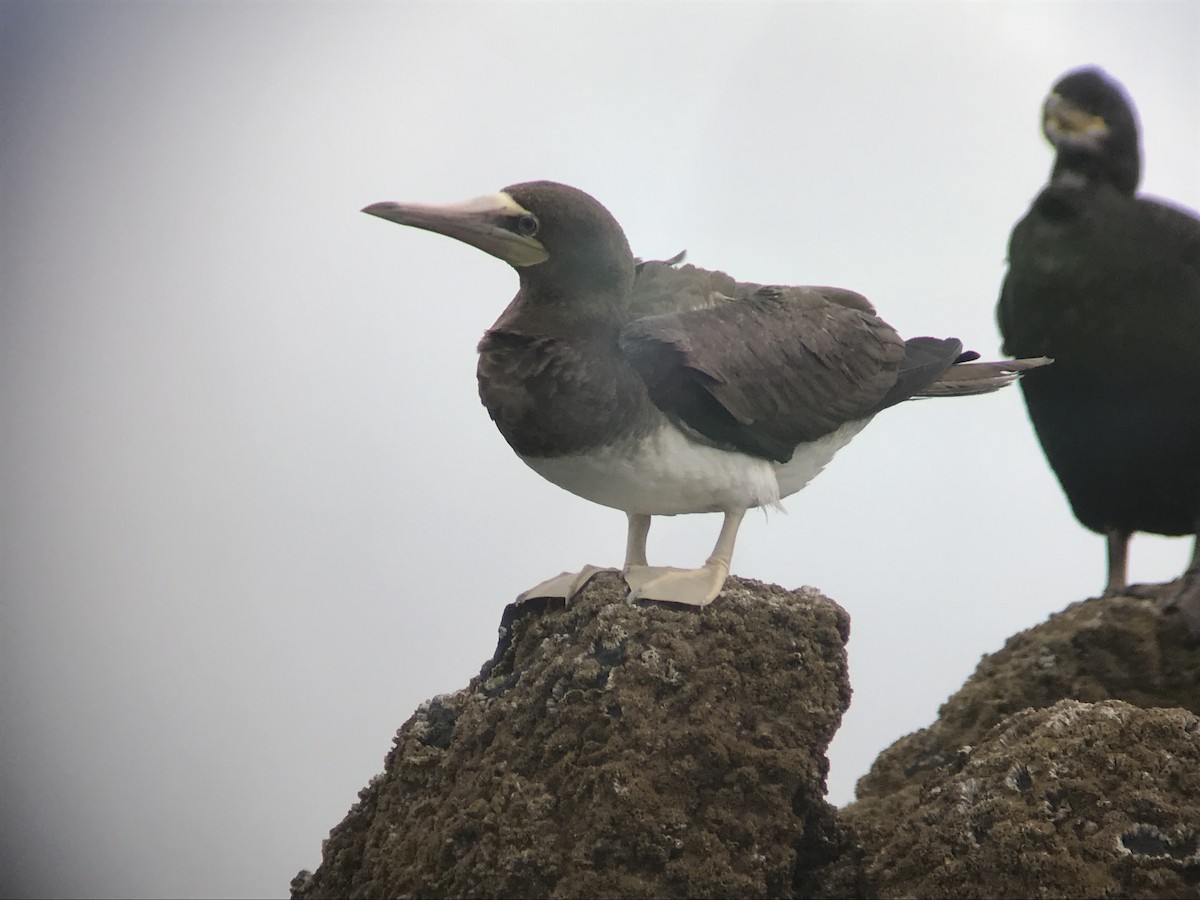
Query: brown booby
point(660, 389)
point(1108, 283)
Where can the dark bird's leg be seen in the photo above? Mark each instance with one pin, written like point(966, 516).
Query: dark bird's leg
point(1181, 595)
point(1165, 591)
point(1118, 558)
point(1185, 594)
point(692, 587)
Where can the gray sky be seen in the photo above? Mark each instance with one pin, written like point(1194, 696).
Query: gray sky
point(253, 512)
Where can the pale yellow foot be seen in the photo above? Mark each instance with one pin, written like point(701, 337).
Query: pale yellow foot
point(563, 587)
point(692, 587)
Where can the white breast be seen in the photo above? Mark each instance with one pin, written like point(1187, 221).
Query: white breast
point(668, 474)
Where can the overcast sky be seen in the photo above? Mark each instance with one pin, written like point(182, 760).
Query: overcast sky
point(252, 510)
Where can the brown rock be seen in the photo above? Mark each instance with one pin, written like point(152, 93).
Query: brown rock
point(1077, 800)
point(614, 750)
point(1119, 648)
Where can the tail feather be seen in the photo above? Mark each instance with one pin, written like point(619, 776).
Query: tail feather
point(966, 378)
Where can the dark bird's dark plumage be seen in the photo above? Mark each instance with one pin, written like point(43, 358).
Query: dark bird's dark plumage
point(661, 389)
point(1108, 284)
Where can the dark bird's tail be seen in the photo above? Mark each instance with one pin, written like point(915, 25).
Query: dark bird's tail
point(969, 377)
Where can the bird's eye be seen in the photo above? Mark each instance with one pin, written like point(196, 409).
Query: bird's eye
point(527, 225)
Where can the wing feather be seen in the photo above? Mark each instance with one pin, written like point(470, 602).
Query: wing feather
point(767, 372)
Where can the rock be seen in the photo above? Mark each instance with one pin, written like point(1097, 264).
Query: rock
point(618, 750)
point(1120, 648)
point(1077, 800)
point(614, 750)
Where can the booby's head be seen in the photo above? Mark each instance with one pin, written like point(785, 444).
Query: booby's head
point(554, 235)
point(1092, 125)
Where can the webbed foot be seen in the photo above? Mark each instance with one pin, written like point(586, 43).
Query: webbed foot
point(563, 587)
point(690, 587)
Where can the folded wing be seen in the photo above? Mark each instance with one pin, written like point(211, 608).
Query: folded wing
point(766, 372)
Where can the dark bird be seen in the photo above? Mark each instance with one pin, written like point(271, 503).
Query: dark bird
point(1108, 284)
point(660, 389)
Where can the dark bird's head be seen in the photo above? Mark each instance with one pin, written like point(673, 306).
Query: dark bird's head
point(1093, 127)
point(561, 241)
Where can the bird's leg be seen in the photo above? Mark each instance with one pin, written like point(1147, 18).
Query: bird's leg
point(635, 540)
point(567, 585)
point(1118, 558)
point(1181, 595)
point(1162, 591)
point(1185, 595)
point(692, 587)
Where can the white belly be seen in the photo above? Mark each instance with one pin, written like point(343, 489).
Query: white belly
point(667, 474)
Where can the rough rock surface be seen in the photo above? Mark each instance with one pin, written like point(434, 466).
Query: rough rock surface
point(1077, 800)
point(611, 750)
point(1121, 648)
